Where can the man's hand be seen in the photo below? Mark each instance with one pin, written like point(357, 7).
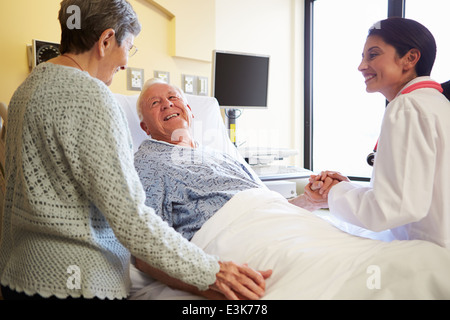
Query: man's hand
point(311, 199)
point(240, 281)
point(316, 191)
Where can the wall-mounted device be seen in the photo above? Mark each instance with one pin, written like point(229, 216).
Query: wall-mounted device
point(196, 85)
point(239, 81)
point(40, 51)
point(188, 83)
point(163, 75)
point(135, 79)
point(202, 86)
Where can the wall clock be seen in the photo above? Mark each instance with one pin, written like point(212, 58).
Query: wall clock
point(40, 51)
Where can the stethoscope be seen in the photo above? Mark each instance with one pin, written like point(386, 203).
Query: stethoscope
point(424, 84)
point(371, 157)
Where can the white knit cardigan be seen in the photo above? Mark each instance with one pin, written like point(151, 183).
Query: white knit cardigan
point(74, 205)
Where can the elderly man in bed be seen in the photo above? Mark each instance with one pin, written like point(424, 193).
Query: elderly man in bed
point(185, 183)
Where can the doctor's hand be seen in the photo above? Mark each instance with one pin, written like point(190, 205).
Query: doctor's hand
point(323, 182)
point(237, 281)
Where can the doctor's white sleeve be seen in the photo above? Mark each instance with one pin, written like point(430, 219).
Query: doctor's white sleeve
point(403, 173)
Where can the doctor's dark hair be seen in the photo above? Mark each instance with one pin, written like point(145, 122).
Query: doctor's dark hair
point(406, 34)
point(95, 16)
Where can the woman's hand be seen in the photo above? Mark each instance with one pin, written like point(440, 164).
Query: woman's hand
point(316, 191)
point(323, 182)
point(232, 282)
point(237, 281)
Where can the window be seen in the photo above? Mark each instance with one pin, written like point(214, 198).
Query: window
point(346, 118)
point(434, 14)
point(342, 120)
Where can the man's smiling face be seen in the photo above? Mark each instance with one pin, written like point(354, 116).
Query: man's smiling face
point(163, 112)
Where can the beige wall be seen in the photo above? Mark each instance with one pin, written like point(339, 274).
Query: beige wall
point(24, 20)
point(192, 30)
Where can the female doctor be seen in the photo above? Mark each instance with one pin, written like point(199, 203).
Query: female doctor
point(410, 185)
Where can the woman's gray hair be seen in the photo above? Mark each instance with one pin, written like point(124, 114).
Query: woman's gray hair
point(147, 85)
point(95, 16)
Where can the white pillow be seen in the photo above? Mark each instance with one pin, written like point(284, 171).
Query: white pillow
point(128, 104)
point(209, 129)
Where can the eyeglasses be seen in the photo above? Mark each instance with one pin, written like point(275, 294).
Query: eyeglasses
point(132, 51)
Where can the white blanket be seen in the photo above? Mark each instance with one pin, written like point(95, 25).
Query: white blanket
point(310, 258)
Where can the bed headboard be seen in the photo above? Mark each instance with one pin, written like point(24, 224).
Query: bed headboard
point(209, 129)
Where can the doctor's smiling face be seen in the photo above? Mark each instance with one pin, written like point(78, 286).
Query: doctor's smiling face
point(384, 70)
point(165, 114)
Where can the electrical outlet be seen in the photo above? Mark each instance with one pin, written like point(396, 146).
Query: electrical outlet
point(202, 86)
point(188, 83)
point(135, 79)
point(163, 75)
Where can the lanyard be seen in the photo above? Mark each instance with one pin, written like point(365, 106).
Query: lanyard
point(411, 88)
point(421, 85)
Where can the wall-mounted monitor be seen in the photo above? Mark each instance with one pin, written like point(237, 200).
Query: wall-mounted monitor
point(240, 80)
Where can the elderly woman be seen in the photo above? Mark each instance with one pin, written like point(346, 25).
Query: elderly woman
point(74, 205)
point(408, 194)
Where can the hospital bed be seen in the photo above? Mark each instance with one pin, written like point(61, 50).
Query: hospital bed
point(310, 257)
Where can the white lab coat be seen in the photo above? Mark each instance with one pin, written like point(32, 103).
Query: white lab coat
point(409, 191)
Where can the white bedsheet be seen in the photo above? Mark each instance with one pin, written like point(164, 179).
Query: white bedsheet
point(310, 258)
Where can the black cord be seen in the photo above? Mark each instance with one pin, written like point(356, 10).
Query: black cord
point(233, 111)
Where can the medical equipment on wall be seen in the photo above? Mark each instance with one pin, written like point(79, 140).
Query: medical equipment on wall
point(263, 155)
